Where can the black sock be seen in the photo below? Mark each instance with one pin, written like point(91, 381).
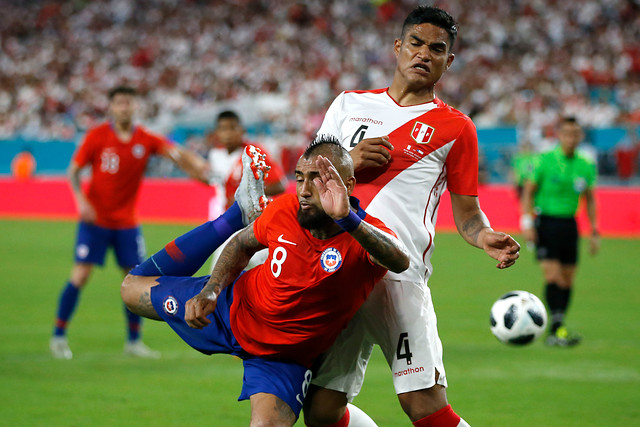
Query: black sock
point(557, 301)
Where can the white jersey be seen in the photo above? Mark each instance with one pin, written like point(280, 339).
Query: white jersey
point(223, 166)
point(435, 146)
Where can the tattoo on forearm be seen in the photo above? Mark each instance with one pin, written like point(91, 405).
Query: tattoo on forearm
point(472, 227)
point(234, 257)
point(380, 245)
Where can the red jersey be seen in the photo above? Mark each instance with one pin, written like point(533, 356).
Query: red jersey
point(294, 305)
point(117, 171)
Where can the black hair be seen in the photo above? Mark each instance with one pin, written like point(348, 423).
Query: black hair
point(325, 141)
point(431, 15)
point(569, 119)
point(330, 146)
point(122, 90)
point(228, 114)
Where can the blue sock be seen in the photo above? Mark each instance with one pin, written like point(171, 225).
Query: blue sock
point(134, 322)
point(66, 307)
point(185, 255)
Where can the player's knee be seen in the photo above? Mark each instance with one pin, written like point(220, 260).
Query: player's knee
point(267, 410)
point(323, 407)
point(129, 291)
point(80, 275)
point(421, 403)
point(553, 278)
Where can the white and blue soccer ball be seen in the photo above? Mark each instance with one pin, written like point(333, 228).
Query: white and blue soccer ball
point(518, 317)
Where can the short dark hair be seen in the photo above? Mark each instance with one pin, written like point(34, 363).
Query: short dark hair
point(569, 119)
point(328, 144)
point(321, 141)
point(432, 15)
point(228, 114)
point(122, 90)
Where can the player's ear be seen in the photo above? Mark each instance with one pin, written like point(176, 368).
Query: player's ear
point(350, 183)
point(450, 60)
point(396, 46)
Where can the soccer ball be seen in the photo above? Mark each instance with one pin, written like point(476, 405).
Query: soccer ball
point(518, 317)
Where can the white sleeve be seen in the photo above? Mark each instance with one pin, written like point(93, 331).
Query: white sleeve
point(333, 118)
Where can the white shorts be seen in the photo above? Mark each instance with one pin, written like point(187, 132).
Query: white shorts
point(399, 317)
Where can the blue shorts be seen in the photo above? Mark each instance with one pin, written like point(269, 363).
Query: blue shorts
point(92, 242)
point(286, 380)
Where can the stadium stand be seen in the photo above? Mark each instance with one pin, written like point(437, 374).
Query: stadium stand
point(519, 63)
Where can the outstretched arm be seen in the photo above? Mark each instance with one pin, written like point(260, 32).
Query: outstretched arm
point(385, 250)
point(474, 227)
point(191, 163)
point(234, 257)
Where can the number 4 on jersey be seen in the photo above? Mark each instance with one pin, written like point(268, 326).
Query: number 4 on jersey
point(358, 136)
point(403, 351)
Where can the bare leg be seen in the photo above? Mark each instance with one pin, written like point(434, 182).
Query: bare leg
point(80, 273)
point(136, 294)
point(323, 407)
point(421, 403)
point(568, 273)
point(269, 410)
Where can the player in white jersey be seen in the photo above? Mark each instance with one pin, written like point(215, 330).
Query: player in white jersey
point(408, 146)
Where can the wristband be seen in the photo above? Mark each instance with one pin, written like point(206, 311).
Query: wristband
point(526, 222)
point(349, 222)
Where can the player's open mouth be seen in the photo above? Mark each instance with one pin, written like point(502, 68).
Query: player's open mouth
point(421, 68)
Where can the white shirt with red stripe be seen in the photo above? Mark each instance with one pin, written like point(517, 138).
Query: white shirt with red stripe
point(435, 147)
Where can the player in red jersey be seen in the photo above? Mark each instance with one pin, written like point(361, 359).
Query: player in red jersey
point(407, 146)
point(117, 152)
point(325, 255)
point(225, 162)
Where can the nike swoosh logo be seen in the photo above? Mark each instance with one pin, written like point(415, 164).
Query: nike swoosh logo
point(282, 240)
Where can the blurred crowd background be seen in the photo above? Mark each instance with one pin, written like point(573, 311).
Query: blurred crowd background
point(519, 64)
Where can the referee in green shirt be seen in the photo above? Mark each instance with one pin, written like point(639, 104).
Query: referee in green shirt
point(552, 192)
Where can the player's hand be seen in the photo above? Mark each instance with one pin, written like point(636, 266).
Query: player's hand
point(199, 307)
point(86, 211)
point(331, 189)
point(371, 152)
point(502, 247)
point(594, 244)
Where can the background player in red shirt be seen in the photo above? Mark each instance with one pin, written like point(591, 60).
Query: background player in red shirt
point(117, 152)
point(325, 255)
point(407, 146)
point(226, 163)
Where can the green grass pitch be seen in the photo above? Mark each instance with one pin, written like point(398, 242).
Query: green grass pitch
point(490, 384)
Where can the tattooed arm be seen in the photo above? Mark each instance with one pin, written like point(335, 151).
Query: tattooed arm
point(474, 227)
point(385, 250)
point(234, 258)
